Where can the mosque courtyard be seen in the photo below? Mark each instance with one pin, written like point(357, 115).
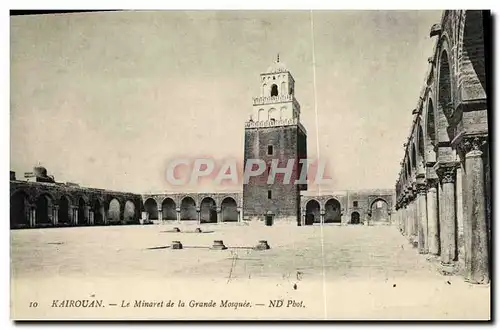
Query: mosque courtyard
point(328, 272)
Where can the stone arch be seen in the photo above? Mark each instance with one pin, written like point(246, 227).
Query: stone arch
point(229, 209)
point(413, 157)
point(260, 115)
point(44, 204)
point(472, 56)
point(19, 210)
point(272, 114)
point(130, 212)
point(333, 211)
point(97, 206)
point(151, 207)
point(82, 214)
point(313, 210)
point(168, 209)
point(208, 210)
point(274, 90)
point(420, 145)
point(430, 133)
point(444, 101)
point(379, 210)
point(355, 218)
point(188, 208)
point(114, 210)
point(283, 112)
point(64, 213)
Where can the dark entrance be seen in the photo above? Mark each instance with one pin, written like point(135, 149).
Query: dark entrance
point(355, 218)
point(309, 219)
point(269, 218)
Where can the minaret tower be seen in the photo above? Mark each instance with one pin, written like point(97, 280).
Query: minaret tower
point(274, 134)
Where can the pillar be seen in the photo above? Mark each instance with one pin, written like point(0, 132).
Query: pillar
point(55, 214)
point(432, 217)
point(409, 217)
point(460, 216)
point(75, 215)
point(413, 219)
point(322, 216)
point(475, 226)
point(446, 173)
point(240, 214)
point(404, 218)
point(86, 214)
point(103, 215)
point(178, 210)
point(91, 217)
point(303, 217)
point(219, 215)
point(422, 218)
point(32, 215)
point(198, 215)
point(160, 215)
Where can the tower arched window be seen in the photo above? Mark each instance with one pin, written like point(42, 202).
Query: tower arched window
point(274, 90)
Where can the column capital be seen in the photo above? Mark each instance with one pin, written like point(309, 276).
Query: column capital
point(198, 210)
point(446, 172)
point(219, 210)
point(431, 183)
point(421, 188)
point(472, 146)
point(178, 209)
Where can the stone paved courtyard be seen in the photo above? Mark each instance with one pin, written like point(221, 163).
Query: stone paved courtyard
point(365, 273)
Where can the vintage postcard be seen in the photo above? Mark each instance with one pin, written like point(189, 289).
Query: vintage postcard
point(250, 165)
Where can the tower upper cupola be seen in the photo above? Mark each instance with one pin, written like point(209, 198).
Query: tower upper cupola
point(276, 102)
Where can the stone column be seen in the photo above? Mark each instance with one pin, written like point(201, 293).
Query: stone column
point(55, 214)
point(219, 215)
point(86, 213)
point(160, 215)
point(198, 215)
point(422, 218)
point(322, 216)
point(475, 226)
point(403, 218)
point(75, 215)
point(409, 217)
point(240, 214)
point(32, 215)
point(460, 216)
point(303, 217)
point(446, 173)
point(178, 210)
point(414, 220)
point(104, 215)
point(432, 217)
point(91, 217)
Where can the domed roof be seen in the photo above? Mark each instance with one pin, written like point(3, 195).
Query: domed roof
point(277, 67)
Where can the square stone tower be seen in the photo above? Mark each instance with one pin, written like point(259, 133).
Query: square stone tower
point(275, 136)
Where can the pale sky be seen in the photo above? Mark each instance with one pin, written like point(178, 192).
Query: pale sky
point(106, 100)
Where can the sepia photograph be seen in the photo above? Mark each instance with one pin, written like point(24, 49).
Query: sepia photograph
point(278, 165)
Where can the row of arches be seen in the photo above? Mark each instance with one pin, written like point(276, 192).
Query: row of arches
point(443, 191)
point(188, 209)
point(276, 89)
point(45, 209)
point(378, 212)
point(272, 114)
